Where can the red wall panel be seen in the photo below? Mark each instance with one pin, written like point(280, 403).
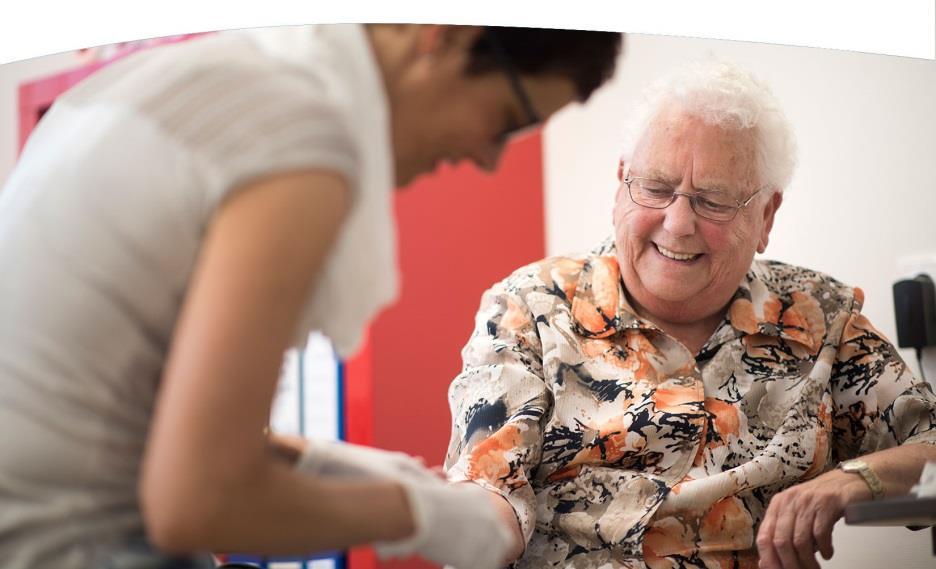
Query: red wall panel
point(460, 231)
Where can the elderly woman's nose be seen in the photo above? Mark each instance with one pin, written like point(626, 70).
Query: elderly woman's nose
point(679, 218)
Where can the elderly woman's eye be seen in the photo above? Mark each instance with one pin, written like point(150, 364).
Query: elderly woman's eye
point(714, 205)
point(655, 190)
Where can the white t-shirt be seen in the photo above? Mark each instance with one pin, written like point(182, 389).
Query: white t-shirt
point(100, 226)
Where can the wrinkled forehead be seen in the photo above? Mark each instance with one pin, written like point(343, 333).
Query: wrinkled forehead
point(676, 144)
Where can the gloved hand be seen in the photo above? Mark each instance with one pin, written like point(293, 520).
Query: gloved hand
point(456, 524)
point(329, 458)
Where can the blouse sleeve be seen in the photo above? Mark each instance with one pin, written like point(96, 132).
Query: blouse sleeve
point(878, 403)
point(499, 403)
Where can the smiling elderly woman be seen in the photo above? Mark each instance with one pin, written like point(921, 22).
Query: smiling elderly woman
point(667, 401)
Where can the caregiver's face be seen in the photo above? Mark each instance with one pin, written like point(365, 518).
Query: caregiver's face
point(442, 112)
point(675, 264)
point(468, 117)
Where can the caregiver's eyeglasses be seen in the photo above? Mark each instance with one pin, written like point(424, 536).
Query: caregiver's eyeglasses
point(712, 205)
point(532, 117)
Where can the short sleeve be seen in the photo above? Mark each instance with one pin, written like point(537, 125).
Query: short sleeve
point(243, 122)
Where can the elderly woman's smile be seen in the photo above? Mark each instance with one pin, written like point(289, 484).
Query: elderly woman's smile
point(683, 258)
point(679, 265)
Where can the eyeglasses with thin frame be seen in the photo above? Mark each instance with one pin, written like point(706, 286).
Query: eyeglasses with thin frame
point(711, 205)
point(533, 118)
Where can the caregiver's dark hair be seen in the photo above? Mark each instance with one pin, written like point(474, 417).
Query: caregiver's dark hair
point(587, 58)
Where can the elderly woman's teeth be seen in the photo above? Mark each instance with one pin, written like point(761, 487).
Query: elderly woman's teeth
point(674, 255)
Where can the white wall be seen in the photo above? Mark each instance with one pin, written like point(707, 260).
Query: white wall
point(864, 193)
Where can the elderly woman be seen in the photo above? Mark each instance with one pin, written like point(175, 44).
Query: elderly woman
point(665, 399)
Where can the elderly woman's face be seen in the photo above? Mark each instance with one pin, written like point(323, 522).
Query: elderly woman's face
point(676, 265)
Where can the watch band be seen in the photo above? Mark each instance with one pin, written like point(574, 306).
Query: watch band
point(862, 468)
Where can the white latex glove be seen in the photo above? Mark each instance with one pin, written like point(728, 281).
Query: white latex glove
point(456, 524)
point(329, 458)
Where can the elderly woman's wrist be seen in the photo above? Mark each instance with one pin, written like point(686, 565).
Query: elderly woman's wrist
point(506, 512)
point(853, 486)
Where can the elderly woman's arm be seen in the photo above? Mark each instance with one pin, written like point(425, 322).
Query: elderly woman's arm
point(879, 404)
point(499, 403)
point(509, 515)
point(799, 521)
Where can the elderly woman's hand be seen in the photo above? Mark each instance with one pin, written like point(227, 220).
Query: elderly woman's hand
point(799, 521)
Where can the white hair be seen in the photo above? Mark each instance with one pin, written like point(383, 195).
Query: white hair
point(725, 95)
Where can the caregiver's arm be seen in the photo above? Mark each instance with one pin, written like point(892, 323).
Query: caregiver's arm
point(209, 480)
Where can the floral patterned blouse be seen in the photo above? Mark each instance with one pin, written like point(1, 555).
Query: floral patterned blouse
point(617, 447)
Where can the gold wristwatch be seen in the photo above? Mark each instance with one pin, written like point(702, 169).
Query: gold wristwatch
point(861, 467)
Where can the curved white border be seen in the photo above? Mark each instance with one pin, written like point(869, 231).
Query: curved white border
point(30, 28)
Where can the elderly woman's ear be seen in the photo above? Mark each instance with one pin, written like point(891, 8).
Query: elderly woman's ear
point(770, 209)
point(623, 169)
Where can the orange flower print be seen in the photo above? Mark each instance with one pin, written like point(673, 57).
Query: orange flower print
point(562, 271)
point(605, 278)
point(667, 536)
point(596, 306)
point(515, 317)
point(640, 350)
point(858, 326)
point(727, 525)
point(748, 315)
point(718, 560)
point(590, 316)
point(761, 347)
point(767, 304)
point(821, 452)
point(488, 460)
point(855, 341)
point(727, 421)
point(741, 316)
point(771, 308)
point(596, 347)
point(804, 322)
point(606, 351)
point(675, 398)
point(634, 356)
point(612, 442)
